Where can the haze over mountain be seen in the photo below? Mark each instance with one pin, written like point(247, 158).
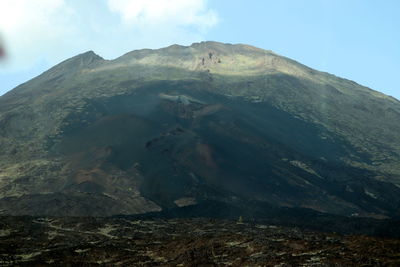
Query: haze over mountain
point(155, 130)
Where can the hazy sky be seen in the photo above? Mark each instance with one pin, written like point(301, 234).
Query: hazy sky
point(354, 39)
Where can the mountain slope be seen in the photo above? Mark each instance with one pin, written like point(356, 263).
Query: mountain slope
point(157, 129)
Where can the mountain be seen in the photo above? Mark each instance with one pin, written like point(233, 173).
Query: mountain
point(160, 130)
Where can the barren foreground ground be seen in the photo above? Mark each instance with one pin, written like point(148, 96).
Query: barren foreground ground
point(27, 241)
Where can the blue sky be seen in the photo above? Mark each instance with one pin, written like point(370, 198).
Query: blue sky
point(355, 39)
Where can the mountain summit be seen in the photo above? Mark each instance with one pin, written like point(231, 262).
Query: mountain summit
point(181, 126)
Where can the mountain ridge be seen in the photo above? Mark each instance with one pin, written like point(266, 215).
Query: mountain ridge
point(209, 121)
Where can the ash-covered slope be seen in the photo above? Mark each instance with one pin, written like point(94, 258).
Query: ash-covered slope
point(159, 129)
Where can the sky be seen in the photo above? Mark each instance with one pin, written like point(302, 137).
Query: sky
point(354, 39)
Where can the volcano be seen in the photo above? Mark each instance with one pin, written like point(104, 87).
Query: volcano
point(183, 127)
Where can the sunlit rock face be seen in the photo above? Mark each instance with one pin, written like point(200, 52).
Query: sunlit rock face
point(155, 130)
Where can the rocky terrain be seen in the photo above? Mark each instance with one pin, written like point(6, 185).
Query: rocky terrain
point(155, 130)
point(88, 241)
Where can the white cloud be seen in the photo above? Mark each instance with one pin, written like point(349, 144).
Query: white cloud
point(37, 31)
point(173, 13)
point(31, 29)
